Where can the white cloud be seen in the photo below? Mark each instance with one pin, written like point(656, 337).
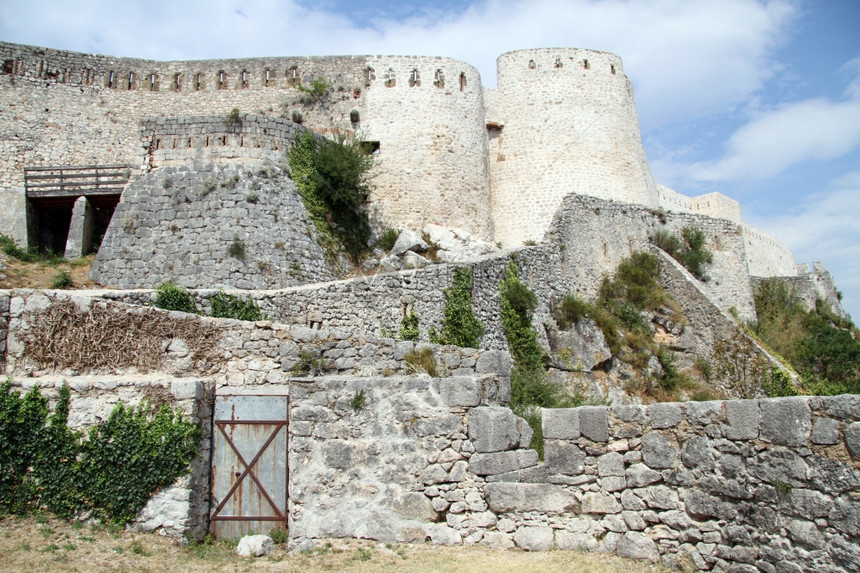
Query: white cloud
point(825, 227)
point(813, 129)
point(685, 58)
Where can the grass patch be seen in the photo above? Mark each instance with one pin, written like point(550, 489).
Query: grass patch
point(422, 362)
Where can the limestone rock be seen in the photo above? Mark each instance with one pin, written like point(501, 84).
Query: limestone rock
point(635, 545)
point(534, 538)
point(254, 545)
point(408, 241)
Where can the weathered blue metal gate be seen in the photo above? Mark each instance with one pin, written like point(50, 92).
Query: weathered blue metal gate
point(249, 465)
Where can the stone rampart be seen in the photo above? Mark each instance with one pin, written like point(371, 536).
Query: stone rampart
point(710, 204)
point(248, 138)
point(614, 230)
point(767, 256)
point(426, 113)
point(812, 286)
point(727, 485)
point(377, 303)
point(209, 225)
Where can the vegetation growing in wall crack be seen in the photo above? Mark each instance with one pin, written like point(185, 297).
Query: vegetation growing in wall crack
point(387, 239)
point(460, 326)
point(334, 181)
point(422, 361)
point(689, 249)
point(111, 471)
point(409, 326)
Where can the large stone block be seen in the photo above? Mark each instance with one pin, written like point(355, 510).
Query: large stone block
point(493, 463)
point(493, 429)
point(600, 503)
point(563, 458)
point(698, 453)
point(560, 424)
point(852, 439)
point(534, 538)
point(665, 415)
point(461, 391)
point(742, 417)
point(594, 423)
point(658, 451)
point(786, 421)
point(504, 497)
point(635, 545)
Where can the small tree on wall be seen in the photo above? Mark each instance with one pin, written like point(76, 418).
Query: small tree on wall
point(334, 181)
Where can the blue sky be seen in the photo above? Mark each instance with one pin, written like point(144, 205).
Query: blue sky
point(759, 100)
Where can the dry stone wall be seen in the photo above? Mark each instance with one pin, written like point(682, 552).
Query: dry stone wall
point(614, 230)
point(210, 225)
point(767, 485)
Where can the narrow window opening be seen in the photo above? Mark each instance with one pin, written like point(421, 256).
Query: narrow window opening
point(390, 79)
point(268, 77)
point(198, 85)
point(558, 63)
point(244, 78)
point(586, 65)
point(612, 68)
point(532, 64)
point(206, 141)
point(439, 82)
point(414, 78)
point(220, 80)
point(130, 80)
point(190, 143)
point(112, 80)
point(152, 82)
point(157, 144)
point(177, 82)
point(462, 81)
point(371, 75)
point(293, 76)
point(8, 66)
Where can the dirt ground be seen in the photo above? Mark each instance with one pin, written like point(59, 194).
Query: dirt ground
point(18, 274)
point(51, 545)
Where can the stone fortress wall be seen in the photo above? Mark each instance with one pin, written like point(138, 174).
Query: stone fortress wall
point(65, 108)
point(728, 485)
point(494, 163)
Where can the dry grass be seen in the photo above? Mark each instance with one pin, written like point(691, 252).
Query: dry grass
point(40, 275)
point(27, 545)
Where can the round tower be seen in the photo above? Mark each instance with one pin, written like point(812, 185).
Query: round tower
point(566, 123)
point(427, 113)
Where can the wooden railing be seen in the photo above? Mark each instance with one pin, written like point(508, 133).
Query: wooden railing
point(69, 181)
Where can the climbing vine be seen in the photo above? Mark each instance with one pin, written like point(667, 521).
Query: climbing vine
point(111, 471)
point(460, 327)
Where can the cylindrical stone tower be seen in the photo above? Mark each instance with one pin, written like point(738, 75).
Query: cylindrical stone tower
point(565, 122)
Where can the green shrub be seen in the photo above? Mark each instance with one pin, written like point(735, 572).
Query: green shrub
point(571, 310)
point(279, 535)
point(422, 361)
point(237, 249)
point(358, 402)
point(387, 239)
point(409, 326)
point(309, 363)
point(62, 280)
point(516, 303)
point(689, 250)
point(317, 91)
point(333, 178)
point(30, 254)
point(171, 296)
point(460, 326)
point(233, 118)
point(778, 383)
point(111, 471)
point(226, 305)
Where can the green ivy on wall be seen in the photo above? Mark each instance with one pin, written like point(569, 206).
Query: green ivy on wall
point(111, 471)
